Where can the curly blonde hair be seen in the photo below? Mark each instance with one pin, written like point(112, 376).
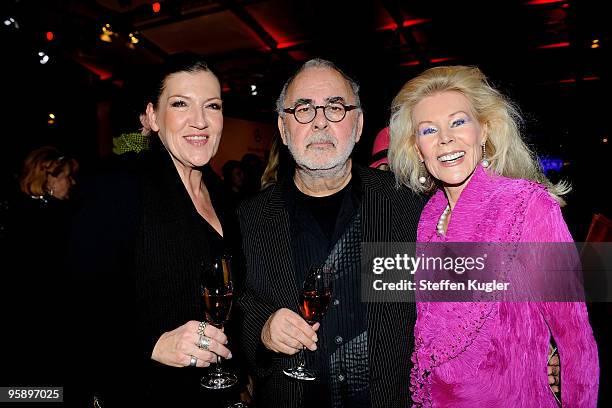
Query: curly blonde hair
point(506, 151)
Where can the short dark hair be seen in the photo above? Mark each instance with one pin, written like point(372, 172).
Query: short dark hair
point(184, 62)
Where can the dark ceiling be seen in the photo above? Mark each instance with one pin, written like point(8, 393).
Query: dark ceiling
point(253, 42)
point(550, 56)
point(547, 54)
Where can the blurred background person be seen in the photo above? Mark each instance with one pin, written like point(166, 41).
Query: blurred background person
point(37, 227)
point(279, 164)
point(233, 178)
point(379, 150)
point(48, 174)
point(135, 141)
point(253, 168)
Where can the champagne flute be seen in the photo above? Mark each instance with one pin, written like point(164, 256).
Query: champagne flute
point(218, 292)
point(314, 299)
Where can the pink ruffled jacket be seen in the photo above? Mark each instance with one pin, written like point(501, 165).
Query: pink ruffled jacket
point(494, 354)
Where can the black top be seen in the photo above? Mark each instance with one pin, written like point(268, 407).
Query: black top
point(33, 289)
point(317, 225)
point(324, 211)
point(137, 251)
point(318, 222)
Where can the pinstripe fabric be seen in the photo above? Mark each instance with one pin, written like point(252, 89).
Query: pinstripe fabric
point(388, 215)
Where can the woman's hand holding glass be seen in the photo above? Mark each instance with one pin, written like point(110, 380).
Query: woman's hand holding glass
point(179, 347)
point(218, 293)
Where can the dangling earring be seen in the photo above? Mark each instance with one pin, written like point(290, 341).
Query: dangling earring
point(50, 191)
point(485, 163)
point(422, 170)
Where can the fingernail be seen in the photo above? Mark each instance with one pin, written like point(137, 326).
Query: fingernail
point(314, 347)
point(315, 338)
point(229, 356)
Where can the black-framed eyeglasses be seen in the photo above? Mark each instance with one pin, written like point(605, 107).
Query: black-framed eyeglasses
point(333, 111)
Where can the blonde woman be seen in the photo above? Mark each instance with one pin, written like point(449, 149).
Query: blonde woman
point(457, 138)
point(36, 229)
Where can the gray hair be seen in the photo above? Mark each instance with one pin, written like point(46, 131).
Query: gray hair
point(316, 63)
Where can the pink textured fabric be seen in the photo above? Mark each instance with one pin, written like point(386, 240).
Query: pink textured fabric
point(494, 354)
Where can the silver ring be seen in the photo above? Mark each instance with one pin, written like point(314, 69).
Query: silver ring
point(201, 328)
point(193, 361)
point(203, 343)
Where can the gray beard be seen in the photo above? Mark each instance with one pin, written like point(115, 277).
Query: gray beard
point(332, 169)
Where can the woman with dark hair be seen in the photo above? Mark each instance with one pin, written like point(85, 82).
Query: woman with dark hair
point(140, 244)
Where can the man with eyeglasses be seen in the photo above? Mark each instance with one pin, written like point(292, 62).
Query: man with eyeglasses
point(320, 214)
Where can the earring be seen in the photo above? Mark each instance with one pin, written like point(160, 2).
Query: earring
point(422, 179)
point(485, 162)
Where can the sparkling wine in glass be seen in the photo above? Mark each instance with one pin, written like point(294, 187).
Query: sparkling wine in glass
point(314, 300)
point(218, 293)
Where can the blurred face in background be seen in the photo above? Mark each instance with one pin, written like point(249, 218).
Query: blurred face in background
point(188, 117)
point(60, 185)
point(237, 178)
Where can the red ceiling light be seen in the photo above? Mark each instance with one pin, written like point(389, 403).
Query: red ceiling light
point(287, 44)
point(49, 36)
point(102, 73)
point(573, 80)
point(540, 2)
point(436, 60)
point(406, 23)
point(156, 7)
point(555, 45)
point(390, 26)
point(415, 21)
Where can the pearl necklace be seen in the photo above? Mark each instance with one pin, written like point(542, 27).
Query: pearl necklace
point(442, 220)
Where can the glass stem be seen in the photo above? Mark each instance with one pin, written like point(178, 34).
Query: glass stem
point(218, 369)
point(301, 360)
point(218, 365)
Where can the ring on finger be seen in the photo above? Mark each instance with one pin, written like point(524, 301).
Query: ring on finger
point(203, 343)
point(193, 361)
point(201, 328)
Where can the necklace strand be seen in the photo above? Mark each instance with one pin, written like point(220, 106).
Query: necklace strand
point(442, 220)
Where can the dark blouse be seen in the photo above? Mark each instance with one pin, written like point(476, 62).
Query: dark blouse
point(317, 225)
